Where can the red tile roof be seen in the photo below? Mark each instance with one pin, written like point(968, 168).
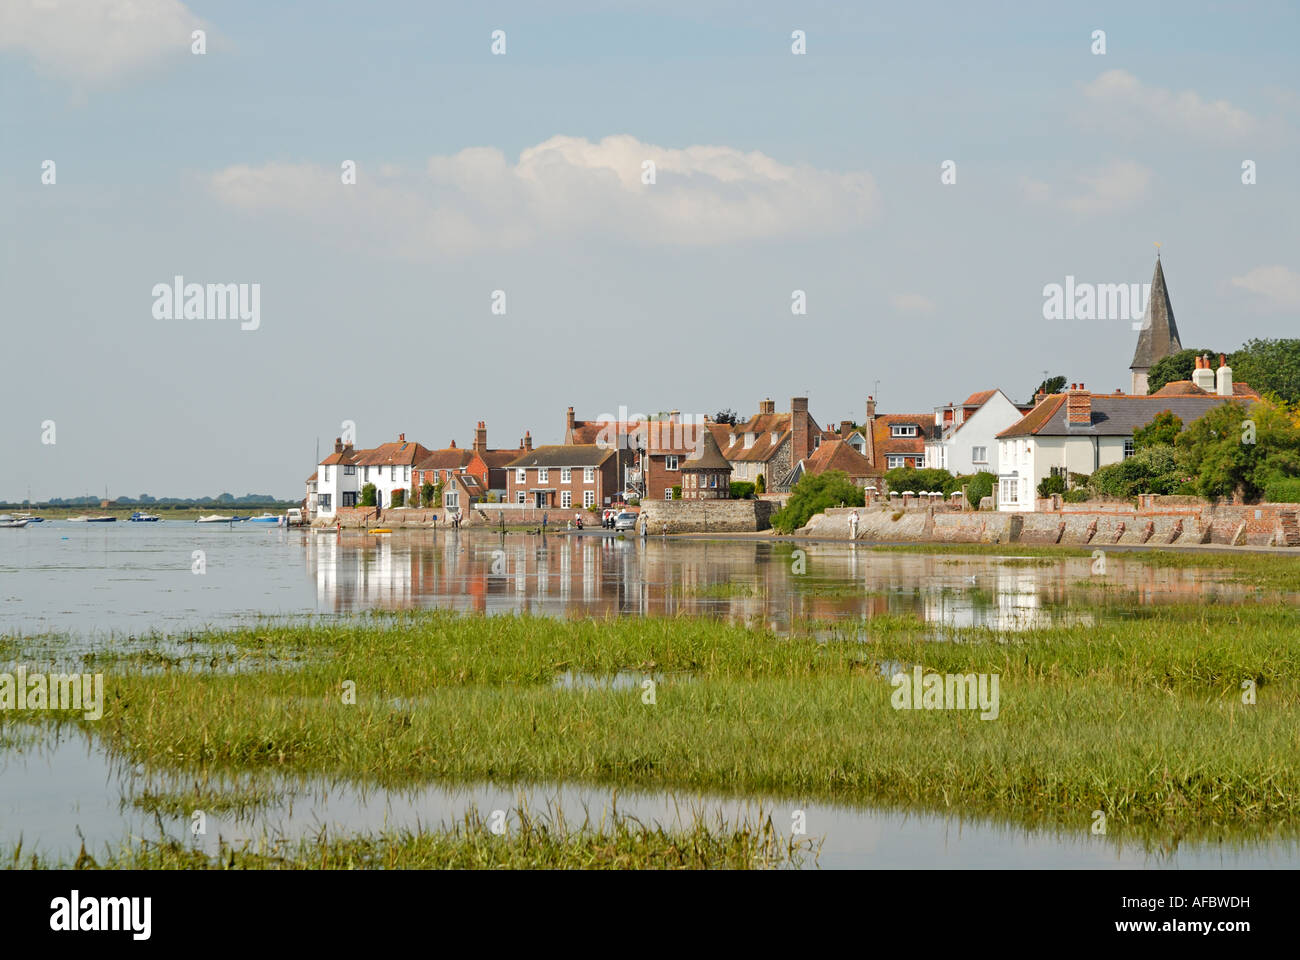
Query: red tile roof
point(839, 455)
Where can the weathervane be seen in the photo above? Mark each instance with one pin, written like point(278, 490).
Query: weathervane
point(1157, 243)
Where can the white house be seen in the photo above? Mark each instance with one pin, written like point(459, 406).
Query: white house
point(965, 439)
point(344, 472)
point(1080, 432)
point(337, 480)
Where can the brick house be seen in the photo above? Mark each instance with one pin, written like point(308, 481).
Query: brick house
point(837, 454)
point(563, 476)
point(706, 474)
point(771, 443)
point(898, 439)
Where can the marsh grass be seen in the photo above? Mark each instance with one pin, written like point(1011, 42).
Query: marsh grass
point(532, 842)
point(182, 803)
point(1142, 718)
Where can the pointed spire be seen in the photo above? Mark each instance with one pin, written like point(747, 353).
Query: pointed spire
point(1159, 336)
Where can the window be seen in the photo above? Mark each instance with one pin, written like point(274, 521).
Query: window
point(895, 462)
point(406, 472)
point(713, 479)
point(1007, 491)
point(566, 476)
point(521, 497)
point(903, 430)
point(566, 499)
point(588, 474)
point(521, 476)
point(670, 462)
point(349, 470)
point(350, 498)
point(322, 499)
point(543, 474)
point(1128, 449)
point(979, 454)
point(392, 473)
point(326, 477)
point(668, 493)
point(451, 499)
point(589, 498)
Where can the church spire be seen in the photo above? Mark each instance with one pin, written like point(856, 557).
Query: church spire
point(1159, 336)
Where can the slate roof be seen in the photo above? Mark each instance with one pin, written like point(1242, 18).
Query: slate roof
point(1159, 336)
point(562, 455)
point(1113, 415)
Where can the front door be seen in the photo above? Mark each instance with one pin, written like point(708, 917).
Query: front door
point(540, 500)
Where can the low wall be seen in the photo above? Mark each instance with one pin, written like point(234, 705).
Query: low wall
point(1164, 523)
point(707, 516)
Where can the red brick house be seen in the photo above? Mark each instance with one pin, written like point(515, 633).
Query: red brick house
point(771, 443)
point(563, 476)
point(706, 474)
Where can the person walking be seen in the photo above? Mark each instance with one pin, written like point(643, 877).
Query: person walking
point(853, 525)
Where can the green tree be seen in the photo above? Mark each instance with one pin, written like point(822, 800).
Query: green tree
point(368, 495)
point(399, 498)
point(1156, 468)
point(1176, 366)
point(760, 485)
point(1162, 430)
point(426, 495)
point(1269, 366)
point(813, 494)
point(978, 487)
point(920, 480)
point(1049, 386)
point(1238, 450)
point(741, 490)
point(1051, 484)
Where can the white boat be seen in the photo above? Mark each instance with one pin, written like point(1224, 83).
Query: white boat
point(215, 518)
point(139, 517)
point(13, 523)
point(264, 518)
point(92, 519)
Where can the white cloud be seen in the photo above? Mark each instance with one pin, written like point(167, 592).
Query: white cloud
point(566, 186)
point(1279, 286)
point(1129, 99)
point(94, 40)
point(912, 303)
point(1112, 189)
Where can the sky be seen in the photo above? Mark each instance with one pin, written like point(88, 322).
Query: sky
point(515, 181)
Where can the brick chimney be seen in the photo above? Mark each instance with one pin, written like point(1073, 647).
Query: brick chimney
point(801, 427)
point(568, 426)
point(766, 406)
point(480, 437)
point(528, 440)
point(401, 438)
point(453, 445)
point(871, 410)
point(1078, 405)
point(338, 444)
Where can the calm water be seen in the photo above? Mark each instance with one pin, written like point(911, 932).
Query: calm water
point(95, 584)
point(123, 578)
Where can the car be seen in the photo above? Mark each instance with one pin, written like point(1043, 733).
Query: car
point(625, 521)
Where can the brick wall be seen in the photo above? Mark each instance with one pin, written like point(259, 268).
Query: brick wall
point(707, 516)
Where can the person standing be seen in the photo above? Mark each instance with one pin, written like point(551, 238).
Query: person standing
point(853, 525)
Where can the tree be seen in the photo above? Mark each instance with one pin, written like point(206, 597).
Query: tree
point(398, 498)
point(813, 494)
point(368, 495)
point(727, 416)
point(1238, 450)
point(1162, 430)
point(760, 485)
point(1269, 366)
point(920, 480)
point(978, 487)
point(1051, 484)
point(1050, 386)
point(1156, 468)
point(426, 495)
point(1176, 366)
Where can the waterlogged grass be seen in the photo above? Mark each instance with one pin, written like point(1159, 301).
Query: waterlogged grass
point(530, 842)
point(1142, 718)
point(182, 803)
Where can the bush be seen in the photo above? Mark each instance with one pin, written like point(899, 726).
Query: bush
point(426, 495)
point(1050, 485)
point(760, 485)
point(920, 481)
point(742, 490)
point(978, 487)
point(1283, 491)
point(399, 498)
point(677, 493)
point(1079, 495)
point(1153, 469)
point(812, 495)
point(368, 495)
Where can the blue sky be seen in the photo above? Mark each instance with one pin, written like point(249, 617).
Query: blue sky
point(478, 173)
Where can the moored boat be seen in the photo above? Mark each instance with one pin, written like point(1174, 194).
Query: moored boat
point(215, 518)
point(101, 519)
point(264, 518)
point(139, 517)
point(13, 523)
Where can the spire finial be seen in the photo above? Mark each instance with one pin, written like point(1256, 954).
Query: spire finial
point(1157, 243)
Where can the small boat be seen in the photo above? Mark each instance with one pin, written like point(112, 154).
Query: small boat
point(13, 523)
point(101, 519)
point(215, 518)
point(264, 518)
point(139, 517)
point(29, 518)
point(379, 530)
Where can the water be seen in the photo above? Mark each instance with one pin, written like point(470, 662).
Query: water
point(87, 585)
point(128, 579)
point(63, 785)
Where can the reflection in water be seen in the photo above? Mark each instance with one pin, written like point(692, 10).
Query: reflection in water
point(743, 580)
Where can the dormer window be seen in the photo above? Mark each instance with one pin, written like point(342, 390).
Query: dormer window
point(749, 440)
point(903, 430)
point(775, 435)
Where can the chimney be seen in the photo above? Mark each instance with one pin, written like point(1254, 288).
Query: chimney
point(1078, 406)
point(1224, 377)
point(1203, 375)
point(871, 409)
point(480, 437)
point(452, 446)
point(1039, 397)
point(338, 444)
point(845, 427)
point(568, 426)
point(800, 425)
point(674, 416)
point(528, 440)
point(766, 406)
point(401, 438)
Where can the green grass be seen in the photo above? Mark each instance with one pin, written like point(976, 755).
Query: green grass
point(1141, 717)
point(531, 842)
point(183, 803)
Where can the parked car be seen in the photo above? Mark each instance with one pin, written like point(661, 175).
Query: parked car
point(625, 521)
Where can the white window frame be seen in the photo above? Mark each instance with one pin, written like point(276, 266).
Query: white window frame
point(566, 499)
point(521, 497)
point(521, 475)
point(668, 493)
point(589, 475)
point(589, 498)
point(670, 461)
point(979, 454)
point(894, 462)
point(1130, 447)
point(902, 430)
point(566, 474)
point(543, 475)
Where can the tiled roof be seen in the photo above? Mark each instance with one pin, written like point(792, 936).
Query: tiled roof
point(1186, 388)
point(448, 458)
point(312, 478)
point(398, 453)
point(979, 399)
point(348, 456)
point(563, 455)
point(839, 455)
point(764, 447)
point(709, 457)
point(1113, 415)
point(499, 458)
point(887, 445)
